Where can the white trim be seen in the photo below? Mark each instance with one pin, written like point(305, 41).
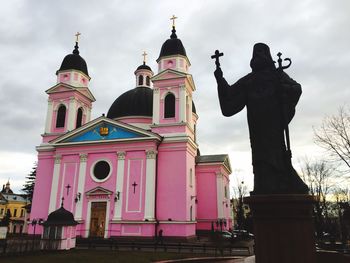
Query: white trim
point(128, 187)
point(71, 114)
point(182, 106)
point(81, 184)
point(49, 116)
point(92, 170)
point(119, 186)
point(156, 105)
point(219, 196)
point(54, 184)
point(131, 234)
point(88, 217)
point(150, 185)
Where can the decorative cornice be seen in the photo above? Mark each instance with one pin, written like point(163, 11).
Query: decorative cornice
point(121, 155)
point(151, 154)
point(83, 157)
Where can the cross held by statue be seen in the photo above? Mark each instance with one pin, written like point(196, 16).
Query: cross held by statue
point(216, 56)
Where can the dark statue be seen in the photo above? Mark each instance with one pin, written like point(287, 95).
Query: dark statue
point(270, 96)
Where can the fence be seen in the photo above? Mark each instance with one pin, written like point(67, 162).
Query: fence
point(18, 245)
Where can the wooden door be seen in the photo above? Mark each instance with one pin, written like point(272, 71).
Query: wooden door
point(98, 219)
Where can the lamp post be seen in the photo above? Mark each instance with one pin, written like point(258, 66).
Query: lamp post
point(35, 221)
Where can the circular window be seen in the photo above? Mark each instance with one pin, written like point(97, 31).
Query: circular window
point(101, 170)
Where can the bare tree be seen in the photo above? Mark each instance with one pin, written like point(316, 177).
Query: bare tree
point(240, 190)
point(334, 136)
point(320, 176)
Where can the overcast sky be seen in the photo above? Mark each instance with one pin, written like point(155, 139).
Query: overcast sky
point(36, 35)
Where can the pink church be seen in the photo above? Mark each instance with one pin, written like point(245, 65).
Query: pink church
point(136, 171)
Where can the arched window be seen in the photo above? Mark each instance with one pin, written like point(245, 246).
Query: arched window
point(169, 106)
point(140, 80)
point(79, 118)
point(61, 116)
point(148, 81)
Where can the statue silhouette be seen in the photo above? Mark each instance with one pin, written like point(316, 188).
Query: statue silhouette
point(270, 96)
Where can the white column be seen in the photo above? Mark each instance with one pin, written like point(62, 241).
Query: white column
point(81, 184)
point(54, 185)
point(49, 116)
point(219, 196)
point(119, 186)
point(156, 103)
point(182, 105)
point(71, 114)
point(88, 114)
point(150, 185)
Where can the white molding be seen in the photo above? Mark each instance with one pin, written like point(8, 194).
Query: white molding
point(219, 195)
point(81, 184)
point(182, 106)
point(88, 216)
point(71, 114)
point(150, 184)
point(49, 116)
point(54, 184)
point(156, 105)
point(92, 170)
point(119, 185)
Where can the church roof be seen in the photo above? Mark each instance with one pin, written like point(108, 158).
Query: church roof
point(74, 61)
point(144, 66)
point(219, 158)
point(172, 46)
point(135, 102)
point(60, 217)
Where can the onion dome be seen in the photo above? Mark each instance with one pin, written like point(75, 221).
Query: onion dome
point(172, 46)
point(74, 61)
point(60, 217)
point(144, 66)
point(135, 102)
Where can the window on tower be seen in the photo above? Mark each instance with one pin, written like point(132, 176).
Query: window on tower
point(147, 81)
point(169, 106)
point(61, 116)
point(140, 80)
point(79, 117)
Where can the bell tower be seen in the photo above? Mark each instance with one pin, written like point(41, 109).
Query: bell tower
point(70, 100)
point(173, 108)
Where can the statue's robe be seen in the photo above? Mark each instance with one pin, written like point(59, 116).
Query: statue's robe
point(270, 97)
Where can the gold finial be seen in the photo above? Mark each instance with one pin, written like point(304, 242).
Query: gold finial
point(144, 54)
point(173, 18)
point(77, 36)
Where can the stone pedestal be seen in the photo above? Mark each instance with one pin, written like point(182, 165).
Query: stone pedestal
point(283, 228)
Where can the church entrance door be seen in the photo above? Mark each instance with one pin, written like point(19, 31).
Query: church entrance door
point(98, 219)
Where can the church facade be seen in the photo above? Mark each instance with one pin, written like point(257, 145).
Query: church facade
point(137, 170)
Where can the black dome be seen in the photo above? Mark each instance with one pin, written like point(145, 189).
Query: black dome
point(60, 217)
point(173, 46)
point(74, 61)
point(144, 66)
point(135, 102)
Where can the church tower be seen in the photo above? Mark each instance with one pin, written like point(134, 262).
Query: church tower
point(70, 100)
point(174, 118)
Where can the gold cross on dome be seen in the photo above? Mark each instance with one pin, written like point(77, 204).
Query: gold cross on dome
point(173, 18)
point(77, 36)
point(144, 54)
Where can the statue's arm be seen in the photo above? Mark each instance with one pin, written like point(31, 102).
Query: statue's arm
point(232, 98)
point(291, 92)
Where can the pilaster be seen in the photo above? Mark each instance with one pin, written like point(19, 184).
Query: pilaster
point(71, 114)
point(54, 185)
point(81, 184)
point(119, 186)
point(49, 116)
point(151, 156)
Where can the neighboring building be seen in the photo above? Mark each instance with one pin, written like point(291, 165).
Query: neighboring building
point(137, 170)
point(15, 203)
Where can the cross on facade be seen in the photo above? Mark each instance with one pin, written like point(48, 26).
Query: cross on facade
point(173, 18)
point(216, 56)
point(144, 54)
point(68, 186)
point(134, 185)
point(77, 36)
